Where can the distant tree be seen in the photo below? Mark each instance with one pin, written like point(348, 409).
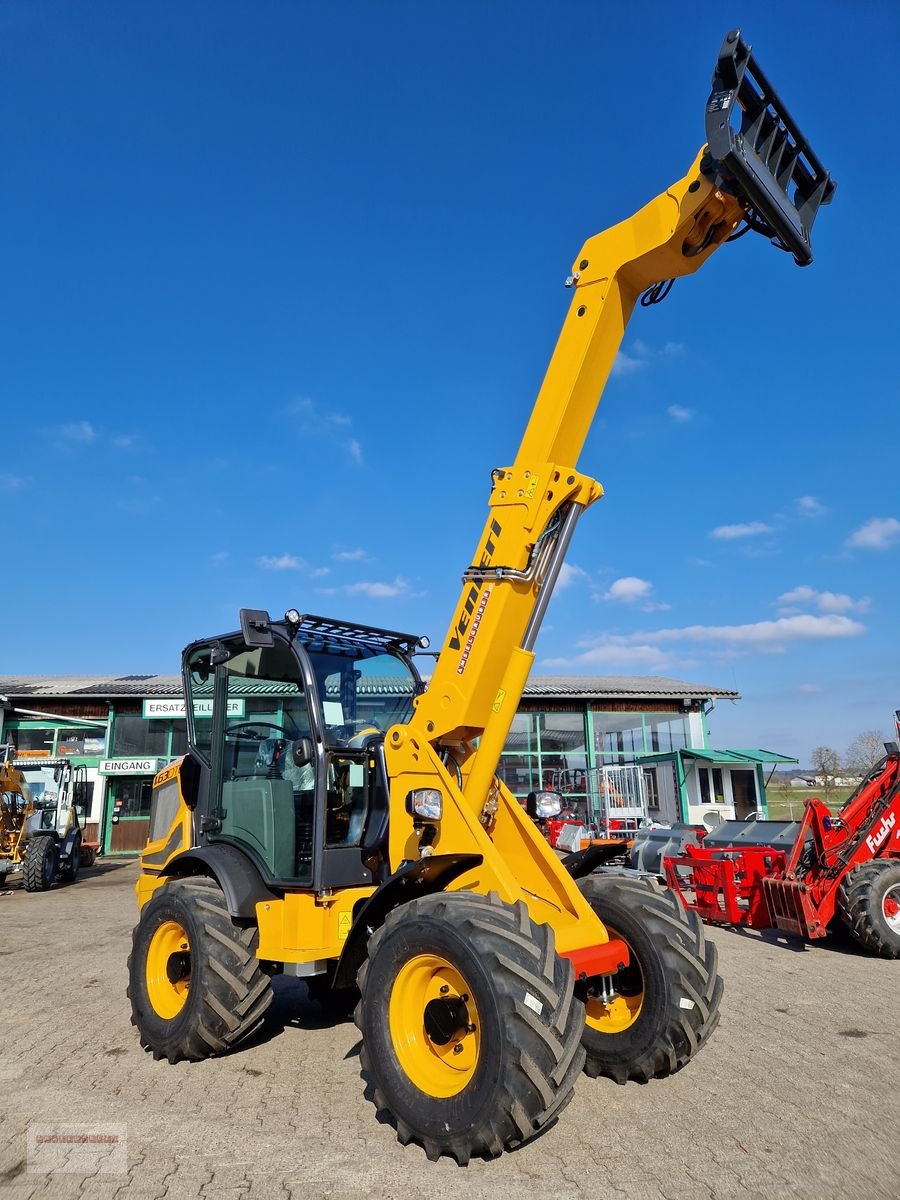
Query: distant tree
point(787, 793)
point(866, 749)
point(827, 763)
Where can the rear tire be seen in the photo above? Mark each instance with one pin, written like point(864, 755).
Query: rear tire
point(195, 984)
point(667, 1001)
point(511, 1052)
point(869, 906)
point(40, 864)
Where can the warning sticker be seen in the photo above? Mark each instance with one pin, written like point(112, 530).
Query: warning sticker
point(344, 923)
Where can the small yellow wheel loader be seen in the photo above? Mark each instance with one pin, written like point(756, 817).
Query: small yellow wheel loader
point(336, 821)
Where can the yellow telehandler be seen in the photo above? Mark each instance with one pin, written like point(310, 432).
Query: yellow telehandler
point(335, 820)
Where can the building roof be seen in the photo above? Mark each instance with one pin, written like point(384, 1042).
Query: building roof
point(721, 757)
point(638, 687)
point(561, 687)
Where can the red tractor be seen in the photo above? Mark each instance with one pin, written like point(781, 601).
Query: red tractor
point(799, 877)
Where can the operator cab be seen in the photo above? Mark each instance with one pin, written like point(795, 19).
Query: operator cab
point(286, 723)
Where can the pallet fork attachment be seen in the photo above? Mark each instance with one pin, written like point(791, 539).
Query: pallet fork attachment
point(767, 157)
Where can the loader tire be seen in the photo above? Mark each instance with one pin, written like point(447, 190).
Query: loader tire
point(40, 864)
point(666, 1001)
point(869, 906)
point(463, 970)
point(195, 984)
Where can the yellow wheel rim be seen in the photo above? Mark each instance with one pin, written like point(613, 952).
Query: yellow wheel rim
point(168, 969)
point(621, 1012)
point(435, 1028)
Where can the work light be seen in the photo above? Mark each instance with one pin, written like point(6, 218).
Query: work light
point(427, 803)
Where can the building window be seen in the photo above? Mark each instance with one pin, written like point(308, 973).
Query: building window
point(712, 786)
point(133, 737)
point(133, 796)
point(33, 741)
point(80, 741)
point(179, 739)
point(618, 736)
point(667, 731)
point(563, 752)
point(546, 751)
point(651, 787)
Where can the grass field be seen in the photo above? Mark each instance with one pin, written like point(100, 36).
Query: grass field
point(787, 805)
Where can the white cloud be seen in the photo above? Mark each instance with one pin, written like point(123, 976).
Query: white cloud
point(280, 562)
point(639, 356)
point(378, 591)
point(319, 572)
point(727, 533)
point(682, 415)
point(628, 590)
point(124, 441)
point(631, 590)
point(219, 557)
point(569, 573)
point(613, 656)
point(318, 423)
point(625, 364)
point(760, 634)
point(826, 602)
point(811, 689)
point(77, 433)
point(349, 555)
point(809, 506)
point(880, 533)
point(13, 483)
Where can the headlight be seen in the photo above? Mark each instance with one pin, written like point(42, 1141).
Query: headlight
point(427, 803)
point(548, 804)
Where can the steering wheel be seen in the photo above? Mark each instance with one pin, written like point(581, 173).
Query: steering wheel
point(236, 730)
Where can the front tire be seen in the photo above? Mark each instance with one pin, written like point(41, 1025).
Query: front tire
point(68, 873)
point(869, 906)
point(195, 984)
point(470, 1027)
point(666, 1002)
point(40, 864)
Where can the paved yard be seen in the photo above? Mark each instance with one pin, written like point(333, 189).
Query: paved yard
point(796, 1095)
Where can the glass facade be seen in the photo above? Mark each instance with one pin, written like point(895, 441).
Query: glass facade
point(557, 750)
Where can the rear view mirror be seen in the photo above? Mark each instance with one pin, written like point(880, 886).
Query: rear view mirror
point(302, 752)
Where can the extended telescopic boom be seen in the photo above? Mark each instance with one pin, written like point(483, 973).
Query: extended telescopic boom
point(762, 174)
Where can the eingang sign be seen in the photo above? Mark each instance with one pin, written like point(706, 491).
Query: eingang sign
point(129, 766)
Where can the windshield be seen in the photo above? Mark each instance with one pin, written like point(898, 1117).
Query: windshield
point(362, 693)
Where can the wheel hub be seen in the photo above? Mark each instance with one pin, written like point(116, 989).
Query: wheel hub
point(434, 1024)
point(446, 1019)
point(613, 1002)
point(168, 969)
point(890, 906)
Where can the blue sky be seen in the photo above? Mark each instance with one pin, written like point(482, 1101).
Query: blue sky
point(280, 285)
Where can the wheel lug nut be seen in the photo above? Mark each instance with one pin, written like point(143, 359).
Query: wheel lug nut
point(445, 988)
point(457, 1049)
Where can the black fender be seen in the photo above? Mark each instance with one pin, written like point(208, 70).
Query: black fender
point(413, 879)
point(232, 870)
point(583, 862)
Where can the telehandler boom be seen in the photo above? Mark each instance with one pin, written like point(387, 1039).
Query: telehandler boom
point(336, 821)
